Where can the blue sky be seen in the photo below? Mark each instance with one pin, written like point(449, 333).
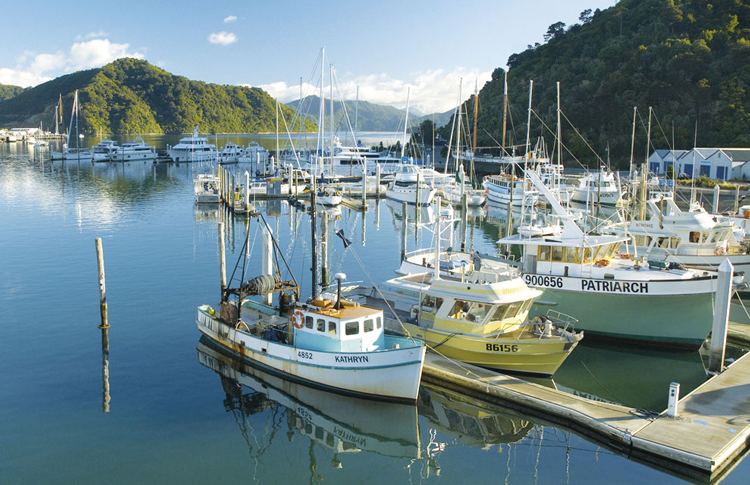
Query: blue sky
point(381, 46)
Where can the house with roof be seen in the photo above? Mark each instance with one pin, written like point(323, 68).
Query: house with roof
point(715, 163)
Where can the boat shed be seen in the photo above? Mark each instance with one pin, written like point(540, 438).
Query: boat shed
point(715, 163)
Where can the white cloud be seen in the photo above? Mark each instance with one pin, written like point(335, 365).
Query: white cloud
point(222, 38)
point(430, 92)
point(32, 69)
point(92, 35)
point(231, 18)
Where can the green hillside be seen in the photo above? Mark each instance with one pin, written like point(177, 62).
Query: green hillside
point(133, 96)
point(7, 91)
point(689, 60)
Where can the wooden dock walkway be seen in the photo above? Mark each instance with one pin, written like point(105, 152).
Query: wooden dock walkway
point(711, 430)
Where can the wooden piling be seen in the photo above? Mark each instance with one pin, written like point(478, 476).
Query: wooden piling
point(222, 261)
point(721, 317)
point(105, 370)
point(102, 285)
point(404, 229)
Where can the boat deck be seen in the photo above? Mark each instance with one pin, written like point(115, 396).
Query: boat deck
point(711, 429)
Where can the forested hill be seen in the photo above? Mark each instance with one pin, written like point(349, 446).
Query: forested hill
point(688, 59)
point(133, 96)
point(370, 116)
point(7, 91)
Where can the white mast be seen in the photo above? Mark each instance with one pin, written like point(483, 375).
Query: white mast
point(321, 118)
point(406, 122)
point(331, 115)
point(458, 125)
point(356, 116)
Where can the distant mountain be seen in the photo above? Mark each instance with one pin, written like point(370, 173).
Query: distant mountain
point(370, 116)
point(133, 96)
point(7, 91)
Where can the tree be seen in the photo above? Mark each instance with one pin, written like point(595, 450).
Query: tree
point(554, 30)
point(585, 16)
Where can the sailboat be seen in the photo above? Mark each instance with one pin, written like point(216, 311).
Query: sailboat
point(76, 153)
point(323, 342)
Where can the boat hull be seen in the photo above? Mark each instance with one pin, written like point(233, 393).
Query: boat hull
point(422, 197)
point(526, 355)
point(660, 319)
point(389, 375)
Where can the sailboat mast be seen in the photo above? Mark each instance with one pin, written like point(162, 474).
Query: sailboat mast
point(458, 124)
point(356, 118)
point(474, 147)
point(406, 122)
point(278, 154)
point(632, 142)
point(505, 110)
point(322, 111)
point(314, 232)
point(330, 76)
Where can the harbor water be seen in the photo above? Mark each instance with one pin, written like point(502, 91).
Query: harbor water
point(162, 406)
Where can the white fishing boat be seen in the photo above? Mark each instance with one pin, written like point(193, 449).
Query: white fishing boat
point(408, 186)
point(102, 152)
point(508, 189)
point(598, 188)
point(454, 189)
point(646, 302)
point(134, 150)
point(327, 343)
point(693, 238)
point(206, 188)
point(193, 149)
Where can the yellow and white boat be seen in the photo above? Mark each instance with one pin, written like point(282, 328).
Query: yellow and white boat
point(479, 318)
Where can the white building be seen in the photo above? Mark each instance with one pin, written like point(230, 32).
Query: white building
point(715, 163)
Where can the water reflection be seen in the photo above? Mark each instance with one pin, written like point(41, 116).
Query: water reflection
point(638, 378)
point(338, 423)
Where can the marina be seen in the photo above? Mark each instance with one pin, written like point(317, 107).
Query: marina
point(164, 394)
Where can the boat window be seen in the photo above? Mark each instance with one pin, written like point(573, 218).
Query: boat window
point(587, 255)
point(598, 253)
point(714, 237)
point(544, 252)
point(526, 305)
point(513, 309)
point(610, 250)
point(457, 309)
point(695, 236)
point(674, 242)
point(369, 325)
point(477, 312)
point(309, 322)
point(380, 322)
point(351, 328)
point(321, 325)
point(572, 255)
point(705, 236)
point(332, 328)
point(557, 253)
point(428, 303)
point(438, 302)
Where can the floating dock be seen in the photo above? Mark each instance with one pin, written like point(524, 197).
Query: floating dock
point(710, 431)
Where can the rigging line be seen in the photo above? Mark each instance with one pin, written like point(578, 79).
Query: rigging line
point(582, 138)
point(278, 250)
point(662, 130)
point(622, 401)
point(359, 157)
point(286, 127)
point(561, 143)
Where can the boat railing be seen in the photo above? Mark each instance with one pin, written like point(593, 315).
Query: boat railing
point(562, 320)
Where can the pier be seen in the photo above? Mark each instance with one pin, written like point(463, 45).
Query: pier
point(702, 442)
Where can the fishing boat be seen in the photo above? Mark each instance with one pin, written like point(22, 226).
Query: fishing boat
point(508, 189)
point(134, 150)
point(408, 186)
point(693, 238)
point(325, 343)
point(193, 149)
point(598, 188)
point(206, 188)
point(342, 425)
point(646, 302)
point(479, 317)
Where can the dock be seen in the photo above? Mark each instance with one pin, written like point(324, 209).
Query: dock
point(710, 431)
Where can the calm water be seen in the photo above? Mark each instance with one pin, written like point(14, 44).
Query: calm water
point(178, 412)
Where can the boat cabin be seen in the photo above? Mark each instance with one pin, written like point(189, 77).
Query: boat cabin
point(551, 256)
point(319, 325)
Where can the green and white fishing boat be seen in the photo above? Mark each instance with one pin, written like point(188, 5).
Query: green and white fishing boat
point(640, 301)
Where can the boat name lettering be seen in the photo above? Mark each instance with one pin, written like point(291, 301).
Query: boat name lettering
point(502, 348)
point(548, 281)
point(352, 359)
point(614, 286)
point(304, 355)
point(350, 437)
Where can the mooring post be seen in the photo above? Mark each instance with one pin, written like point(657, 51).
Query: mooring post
point(222, 261)
point(105, 371)
point(247, 191)
point(717, 191)
point(404, 227)
point(267, 260)
point(721, 317)
point(737, 199)
point(102, 286)
point(377, 180)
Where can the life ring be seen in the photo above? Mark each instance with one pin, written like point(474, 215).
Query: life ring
point(298, 320)
point(720, 251)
